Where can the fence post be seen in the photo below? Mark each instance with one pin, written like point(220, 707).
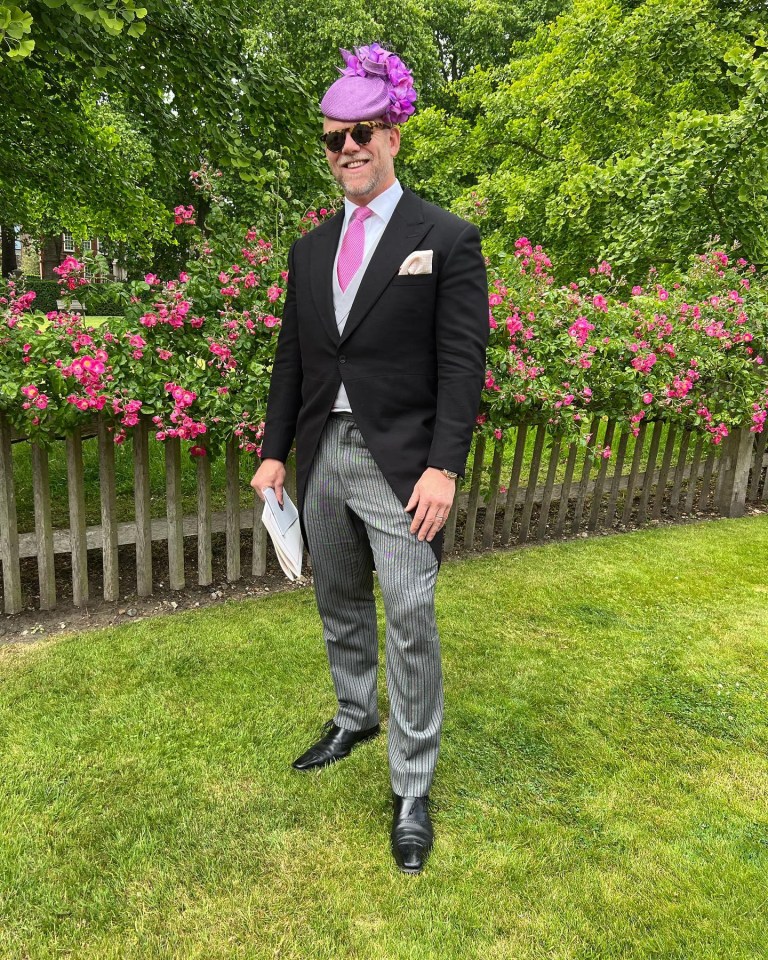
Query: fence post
point(108, 492)
point(175, 513)
point(474, 492)
point(514, 483)
point(79, 545)
point(489, 526)
point(757, 466)
point(204, 562)
point(533, 479)
point(735, 463)
point(549, 483)
point(232, 465)
point(142, 506)
point(41, 491)
point(9, 531)
point(259, 554)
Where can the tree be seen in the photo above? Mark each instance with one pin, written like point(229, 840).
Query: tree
point(632, 132)
point(483, 33)
point(105, 115)
point(441, 40)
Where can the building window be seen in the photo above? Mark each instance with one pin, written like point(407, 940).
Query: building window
point(69, 242)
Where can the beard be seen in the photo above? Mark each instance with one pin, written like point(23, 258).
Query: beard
point(376, 174)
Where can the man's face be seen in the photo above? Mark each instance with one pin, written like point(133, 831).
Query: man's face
point(364, 171)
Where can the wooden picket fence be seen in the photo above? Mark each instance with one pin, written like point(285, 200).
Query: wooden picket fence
point(701, 477)
point(688, 475)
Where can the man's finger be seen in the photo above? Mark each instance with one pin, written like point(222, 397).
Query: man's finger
point(278, 488)
point(436, 527)
point(418, 519)
point(440, 518)
point(413, 502)
point(428, 522)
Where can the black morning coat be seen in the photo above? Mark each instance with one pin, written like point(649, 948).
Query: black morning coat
point(412, 354)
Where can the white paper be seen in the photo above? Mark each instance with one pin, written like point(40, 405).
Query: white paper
point(285, 530)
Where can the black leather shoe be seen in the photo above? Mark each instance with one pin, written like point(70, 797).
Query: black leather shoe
point(412, 833)
point(335, 744)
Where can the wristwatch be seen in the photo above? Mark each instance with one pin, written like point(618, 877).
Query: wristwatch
point(449, 473)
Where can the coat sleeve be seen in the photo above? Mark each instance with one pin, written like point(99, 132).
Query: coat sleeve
point(284, 400)
point(461, 325)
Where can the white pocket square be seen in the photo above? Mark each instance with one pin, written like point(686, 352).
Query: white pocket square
point(420, 261)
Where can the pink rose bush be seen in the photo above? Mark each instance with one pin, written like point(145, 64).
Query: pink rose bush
point(193, 354)
point(693, 354)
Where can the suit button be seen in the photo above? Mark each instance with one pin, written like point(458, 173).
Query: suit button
point(342, 358)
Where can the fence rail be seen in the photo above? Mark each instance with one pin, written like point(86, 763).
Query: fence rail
point(681, 475)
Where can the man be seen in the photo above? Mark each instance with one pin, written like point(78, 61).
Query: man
point(378, 373)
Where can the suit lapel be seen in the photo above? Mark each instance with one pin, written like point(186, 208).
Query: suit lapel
point(402, 235)
point(325, 243)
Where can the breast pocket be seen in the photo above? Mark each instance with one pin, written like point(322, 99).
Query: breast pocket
point(413, 280)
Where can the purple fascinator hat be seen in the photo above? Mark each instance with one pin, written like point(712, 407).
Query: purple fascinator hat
point(374, 85)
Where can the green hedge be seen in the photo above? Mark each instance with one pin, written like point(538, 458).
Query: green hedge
point(99, 302)
point(47, 293)
point(106, 301)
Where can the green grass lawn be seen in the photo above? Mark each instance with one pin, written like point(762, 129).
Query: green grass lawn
point(602, 790)
point(98, 321)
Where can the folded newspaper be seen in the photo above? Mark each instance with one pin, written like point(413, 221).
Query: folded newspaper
point(283, 526)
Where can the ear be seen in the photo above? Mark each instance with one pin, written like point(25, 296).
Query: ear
point(394, 141)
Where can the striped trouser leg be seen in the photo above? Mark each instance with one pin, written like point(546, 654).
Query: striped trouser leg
point(352, 517)
point(342, 569)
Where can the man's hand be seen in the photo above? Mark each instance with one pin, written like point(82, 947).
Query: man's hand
point(432, 498)
point(271, 473)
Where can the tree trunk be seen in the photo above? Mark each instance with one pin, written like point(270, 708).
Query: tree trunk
point(52, 255)
point(9, 250)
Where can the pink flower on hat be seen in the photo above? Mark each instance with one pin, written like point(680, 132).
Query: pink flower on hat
point(375, 62)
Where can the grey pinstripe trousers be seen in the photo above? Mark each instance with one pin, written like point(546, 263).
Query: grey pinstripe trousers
point(353, 519)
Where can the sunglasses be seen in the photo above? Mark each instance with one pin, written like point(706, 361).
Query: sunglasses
point(361, 133)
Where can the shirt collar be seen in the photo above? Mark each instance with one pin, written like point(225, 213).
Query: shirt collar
point(383, 205)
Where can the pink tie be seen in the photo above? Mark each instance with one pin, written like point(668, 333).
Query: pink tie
point(352, 247)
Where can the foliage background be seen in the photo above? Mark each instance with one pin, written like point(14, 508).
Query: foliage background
point(626, 132)
point(631, 131)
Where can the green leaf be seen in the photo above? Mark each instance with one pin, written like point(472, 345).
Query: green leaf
point(83, 9)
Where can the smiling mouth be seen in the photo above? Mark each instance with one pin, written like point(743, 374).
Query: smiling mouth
point(356, 164)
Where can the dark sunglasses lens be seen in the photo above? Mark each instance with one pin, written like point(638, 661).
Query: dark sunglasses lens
point(362, 134)
point(334, 141)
